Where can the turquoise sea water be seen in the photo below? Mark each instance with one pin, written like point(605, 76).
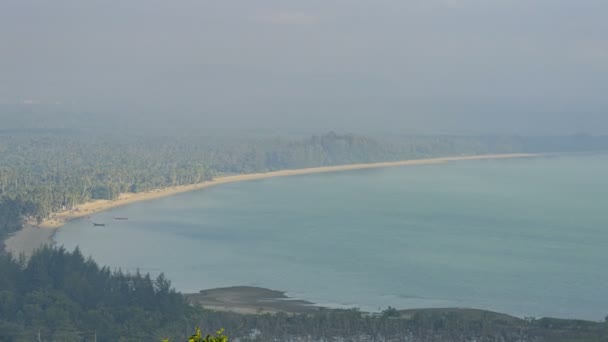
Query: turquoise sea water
point(527, 237)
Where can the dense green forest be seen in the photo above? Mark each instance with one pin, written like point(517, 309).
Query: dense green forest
point(62, 296)
point(42, 172)
point(66, 297)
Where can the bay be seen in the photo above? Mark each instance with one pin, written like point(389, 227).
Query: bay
point(527, 237)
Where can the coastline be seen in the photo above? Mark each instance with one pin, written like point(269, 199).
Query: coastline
point(32, 235)
point(250, 300)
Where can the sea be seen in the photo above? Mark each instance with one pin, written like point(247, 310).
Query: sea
point(526, 237)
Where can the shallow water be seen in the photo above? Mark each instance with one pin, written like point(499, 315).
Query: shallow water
point(527, 237)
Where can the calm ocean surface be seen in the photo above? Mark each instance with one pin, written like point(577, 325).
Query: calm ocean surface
point(527, 237)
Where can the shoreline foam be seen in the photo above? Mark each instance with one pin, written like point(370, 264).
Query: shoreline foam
point(33, 236)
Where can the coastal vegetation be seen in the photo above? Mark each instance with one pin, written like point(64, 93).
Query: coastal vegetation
point(65, 297)
point(46, 172)
point(59, 295)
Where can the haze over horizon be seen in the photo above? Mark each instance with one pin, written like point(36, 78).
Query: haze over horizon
point(432, 66)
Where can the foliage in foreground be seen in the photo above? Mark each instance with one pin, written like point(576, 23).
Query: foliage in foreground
point(198, 337)
point(424, 325)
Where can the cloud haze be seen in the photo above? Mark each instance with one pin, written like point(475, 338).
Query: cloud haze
point(456, 66)
point(288, 18)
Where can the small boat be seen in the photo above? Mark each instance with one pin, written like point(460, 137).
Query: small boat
point(121, 218)
point(99, 224)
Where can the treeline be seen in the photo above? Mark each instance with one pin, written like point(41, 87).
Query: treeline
point(12, 212)
point(42, 173)
point(64, 297)
point(455, 325)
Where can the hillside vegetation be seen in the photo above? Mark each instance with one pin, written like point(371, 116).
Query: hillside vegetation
point(62, 296)
point(66, 297)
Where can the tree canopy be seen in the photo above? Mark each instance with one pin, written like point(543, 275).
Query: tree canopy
point(68, 297)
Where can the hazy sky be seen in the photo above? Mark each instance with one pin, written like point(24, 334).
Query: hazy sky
point(414, 66)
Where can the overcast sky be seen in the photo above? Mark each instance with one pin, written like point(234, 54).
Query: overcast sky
point(413, 66)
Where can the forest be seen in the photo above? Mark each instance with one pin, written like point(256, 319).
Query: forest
point(42, 172)
point(59, 295)
point(64, 296)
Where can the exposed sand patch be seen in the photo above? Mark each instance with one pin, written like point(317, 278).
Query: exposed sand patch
point(28, 239)
point(250, 300)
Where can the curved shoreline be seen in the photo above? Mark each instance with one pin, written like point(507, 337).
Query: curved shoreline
point(32, 236)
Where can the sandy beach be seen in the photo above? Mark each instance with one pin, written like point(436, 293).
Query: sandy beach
point(33, 236)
